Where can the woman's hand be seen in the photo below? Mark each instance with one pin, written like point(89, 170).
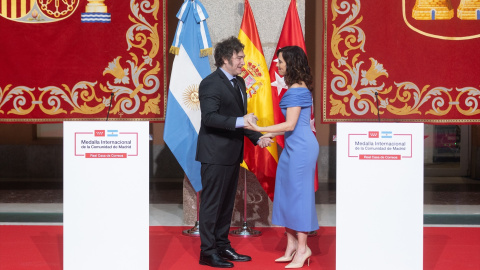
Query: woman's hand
point(268, 135)
point(252, 125)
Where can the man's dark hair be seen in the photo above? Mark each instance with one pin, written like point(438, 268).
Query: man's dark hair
point(226, 48)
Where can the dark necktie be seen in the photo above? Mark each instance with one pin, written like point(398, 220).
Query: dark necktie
point(237, 88)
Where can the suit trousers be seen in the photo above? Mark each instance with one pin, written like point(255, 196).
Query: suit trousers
point(219, 186)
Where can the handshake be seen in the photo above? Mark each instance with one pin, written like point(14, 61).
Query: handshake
point(250, 122)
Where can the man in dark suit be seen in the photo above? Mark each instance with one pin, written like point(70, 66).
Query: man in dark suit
point(223, 102)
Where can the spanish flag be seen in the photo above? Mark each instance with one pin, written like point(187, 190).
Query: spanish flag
point(262, 162)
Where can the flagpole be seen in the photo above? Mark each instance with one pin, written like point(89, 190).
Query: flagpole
point(195, 230)
point(245, 231)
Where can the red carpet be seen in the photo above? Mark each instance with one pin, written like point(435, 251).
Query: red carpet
point(40, 248)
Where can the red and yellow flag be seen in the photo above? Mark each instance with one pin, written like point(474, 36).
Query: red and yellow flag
point(261, 161)
point(291, 35)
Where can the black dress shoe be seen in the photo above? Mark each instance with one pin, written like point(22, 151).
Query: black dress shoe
point(231, 255)
point(214, 260)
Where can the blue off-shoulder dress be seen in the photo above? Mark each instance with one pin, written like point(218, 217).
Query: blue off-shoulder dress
point(294, 199)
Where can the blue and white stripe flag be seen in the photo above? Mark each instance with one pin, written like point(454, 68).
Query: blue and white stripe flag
point(191, 45)
point(195, 8)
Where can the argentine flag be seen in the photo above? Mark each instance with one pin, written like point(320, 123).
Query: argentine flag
point(182, 122)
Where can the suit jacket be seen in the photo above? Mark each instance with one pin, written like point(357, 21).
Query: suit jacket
point(219, 142)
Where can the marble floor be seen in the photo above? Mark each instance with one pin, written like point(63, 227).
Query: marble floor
point(448, 201)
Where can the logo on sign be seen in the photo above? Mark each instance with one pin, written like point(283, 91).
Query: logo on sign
point(387, 134)
point(373, 134)
point(112, 133)
point(99, 133)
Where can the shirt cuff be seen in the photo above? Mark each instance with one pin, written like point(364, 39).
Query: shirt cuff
point(240, 123)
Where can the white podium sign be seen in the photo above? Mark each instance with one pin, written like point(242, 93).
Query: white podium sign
point(379, 196)
point(105, 195)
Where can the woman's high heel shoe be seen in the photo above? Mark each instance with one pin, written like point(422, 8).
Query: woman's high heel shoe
point(286, 259)
point(306, 257)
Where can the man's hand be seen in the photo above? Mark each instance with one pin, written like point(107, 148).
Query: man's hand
point(248, 119)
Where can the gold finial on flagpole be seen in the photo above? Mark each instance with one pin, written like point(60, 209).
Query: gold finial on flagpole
point(96, 6)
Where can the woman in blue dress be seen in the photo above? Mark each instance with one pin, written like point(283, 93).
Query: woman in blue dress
point(294, 199)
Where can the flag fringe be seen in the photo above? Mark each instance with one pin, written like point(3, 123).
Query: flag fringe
point(206, 52)
point(174, 50)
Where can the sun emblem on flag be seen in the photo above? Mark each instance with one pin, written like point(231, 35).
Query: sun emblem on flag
point(190, 97)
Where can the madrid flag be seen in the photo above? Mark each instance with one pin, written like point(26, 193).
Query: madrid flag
point(261, 161)
point(291, 35)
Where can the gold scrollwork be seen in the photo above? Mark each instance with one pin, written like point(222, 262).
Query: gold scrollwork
point(471, 101)
point(78, 97)
point(18, 95)
point(143, 75)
